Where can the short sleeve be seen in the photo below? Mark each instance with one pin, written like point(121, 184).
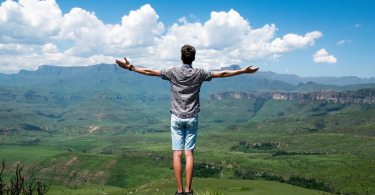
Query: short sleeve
point(166, 74)
point(207, 75)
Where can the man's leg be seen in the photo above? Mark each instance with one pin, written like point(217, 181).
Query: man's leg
point(177, 146)
point(190, 140)
point(177, 155)
point(189, 155)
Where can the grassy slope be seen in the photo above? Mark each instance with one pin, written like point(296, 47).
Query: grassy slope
point(168, 186)
point(319, 127)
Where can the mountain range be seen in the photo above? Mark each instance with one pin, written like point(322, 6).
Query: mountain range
point(81, 96)
point(52, 72)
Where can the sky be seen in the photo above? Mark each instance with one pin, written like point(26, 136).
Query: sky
point(305, 38)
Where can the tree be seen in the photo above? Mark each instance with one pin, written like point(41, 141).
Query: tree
point(18, 185)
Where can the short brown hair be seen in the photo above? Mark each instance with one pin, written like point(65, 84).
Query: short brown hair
point(188, 54)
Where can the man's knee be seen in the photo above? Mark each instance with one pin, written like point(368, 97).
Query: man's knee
point(177, 153)
point(189, 153)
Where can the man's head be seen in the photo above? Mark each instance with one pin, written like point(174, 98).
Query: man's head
point(187, 54)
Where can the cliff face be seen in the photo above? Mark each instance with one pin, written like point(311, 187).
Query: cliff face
point(60, 71)
point(363, 96)
point(247, 95)
point(232, 94)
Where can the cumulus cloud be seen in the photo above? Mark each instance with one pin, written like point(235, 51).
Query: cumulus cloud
point(29, 21)
point(10, 63)
point(275, 57)
point(322, 57)
point(228, 38)
point(16, 48)
point(183, 19)
point(340, 42)
point(28, 29)
point(92, 37)
point(49, 48)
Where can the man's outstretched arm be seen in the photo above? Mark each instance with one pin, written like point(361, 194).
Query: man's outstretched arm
point(145, 71)
point(229, 73)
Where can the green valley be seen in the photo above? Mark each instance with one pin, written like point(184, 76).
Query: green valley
point(100, 129)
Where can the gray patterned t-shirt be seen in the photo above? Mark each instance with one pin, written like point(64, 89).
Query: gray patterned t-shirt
point(186, 83)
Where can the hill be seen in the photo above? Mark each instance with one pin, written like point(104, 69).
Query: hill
point(86, 81)
point(294, 79)
point(3, 75)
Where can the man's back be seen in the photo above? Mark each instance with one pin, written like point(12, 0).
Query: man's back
point(185, 87)
point(185, 83)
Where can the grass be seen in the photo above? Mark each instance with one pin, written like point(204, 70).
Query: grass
point(53, 141)
point(228, 187)
point(216, 191)
point(26, 155)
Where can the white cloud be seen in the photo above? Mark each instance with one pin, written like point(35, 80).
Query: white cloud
point(183, 20)
point(357, 25)
point(286, 70)
point(265, 64)
point(16, 48)
point(349, 41)
point(10, 63)
point(275, 57)
point(340, 42)
point(228, 38)
point(322, 57)
point(29, 21)
point(92, 37)
point(192, 16)
point(28, 29)
point(49, 48)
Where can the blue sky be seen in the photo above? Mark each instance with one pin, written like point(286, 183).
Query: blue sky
point(322, 38)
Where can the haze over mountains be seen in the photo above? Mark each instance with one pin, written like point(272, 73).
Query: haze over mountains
point(110, 76)
point(105, 92)
point(47, 73)
point(295, 80)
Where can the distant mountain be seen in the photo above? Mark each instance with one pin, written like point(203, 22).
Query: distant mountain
point(84, 96)
point(311, 86)
point(362, 96)
point(231, 67)
point(294, 79)
point(83, 81)
point(3, 75)
point(89, 80)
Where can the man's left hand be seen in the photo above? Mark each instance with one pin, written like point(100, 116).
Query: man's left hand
point(248, 69)
point(124, 65)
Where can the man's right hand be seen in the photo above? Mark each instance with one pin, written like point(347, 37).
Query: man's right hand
point(124, 65)
point(248, 69)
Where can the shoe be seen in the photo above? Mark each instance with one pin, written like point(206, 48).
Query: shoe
point(189, 193)
point(179, 193)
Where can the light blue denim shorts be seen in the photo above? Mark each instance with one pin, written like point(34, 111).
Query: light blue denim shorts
point(184, 130)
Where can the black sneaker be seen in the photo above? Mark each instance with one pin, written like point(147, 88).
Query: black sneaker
point(179, 193)
point(189, 193)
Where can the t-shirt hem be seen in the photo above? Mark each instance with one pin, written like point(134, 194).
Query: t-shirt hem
point(185, 116)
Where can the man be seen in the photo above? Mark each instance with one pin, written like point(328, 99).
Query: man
point(186, 82)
